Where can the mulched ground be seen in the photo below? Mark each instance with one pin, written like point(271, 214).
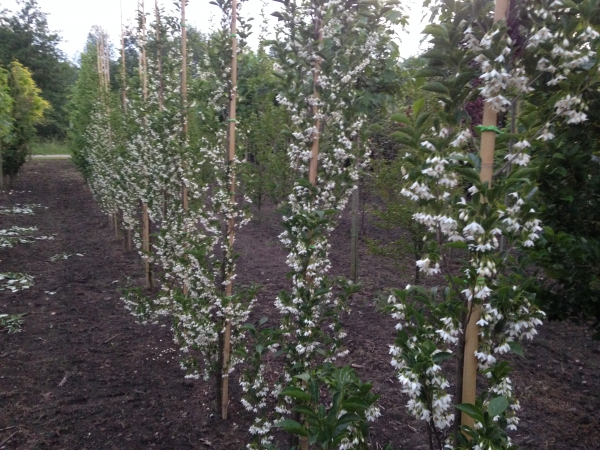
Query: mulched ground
point(84, 375)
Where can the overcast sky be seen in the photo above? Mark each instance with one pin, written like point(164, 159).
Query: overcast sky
point(73, 19)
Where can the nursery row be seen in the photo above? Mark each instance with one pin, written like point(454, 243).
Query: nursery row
point(178, 135)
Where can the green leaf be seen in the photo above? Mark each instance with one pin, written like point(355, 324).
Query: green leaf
point(440, 357)
point(403, 138)
point(295, 393)
point(435, 86)
point(471, 411)
point(516, 348)
point(355, 404)
point(497, 406)
point(428, 72)
point(457, 244)
point(422, 119)
point(418, 106)
point(292, 427)
point(437, 31)
point(303, 376)
point(402, 118)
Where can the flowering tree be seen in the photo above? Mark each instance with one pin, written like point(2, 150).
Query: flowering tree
point(194, 247)
point(478, 205)
point(321, 49)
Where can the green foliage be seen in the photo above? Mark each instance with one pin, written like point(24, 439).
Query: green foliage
point(394, 214)
point(14, 282)
point(6, 106)
point(568, 177)
point(25, 36)
point(490, 432)
point(11, 323)
point(335, 407)
point(570, 264)
point(28, 110)
point(266, 170)
point(81, 104)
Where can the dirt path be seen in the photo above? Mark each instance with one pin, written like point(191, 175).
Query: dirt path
point(84, 375)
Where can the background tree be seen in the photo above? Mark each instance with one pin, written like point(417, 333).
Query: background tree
point(6, 104)
point(25, 37)
point(27, 111)
point(82, 101)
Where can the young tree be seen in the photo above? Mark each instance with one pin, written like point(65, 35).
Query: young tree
point(471, 178)
point(321, 49)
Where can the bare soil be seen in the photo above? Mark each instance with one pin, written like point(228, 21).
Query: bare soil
point(83, 375)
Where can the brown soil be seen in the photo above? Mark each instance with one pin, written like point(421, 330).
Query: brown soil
point(83, 375)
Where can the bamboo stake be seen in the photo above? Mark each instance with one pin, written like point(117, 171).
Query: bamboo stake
point(106, 64)
point(184, 191)
point(123, 74)
point(128, 237)
point(488, 141)
point(231, 222)
point(161, 87)
point(184, 130)
point(161, 95)
point(314, 157)
point(145, 217)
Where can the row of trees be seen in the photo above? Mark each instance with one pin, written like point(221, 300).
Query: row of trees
point(169, 135)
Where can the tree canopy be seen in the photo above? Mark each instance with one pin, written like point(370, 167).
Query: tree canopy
point(26, 37)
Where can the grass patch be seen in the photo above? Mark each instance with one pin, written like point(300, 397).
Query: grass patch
point(50, 147)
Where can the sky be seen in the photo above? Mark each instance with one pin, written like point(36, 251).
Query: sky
point(73, 19)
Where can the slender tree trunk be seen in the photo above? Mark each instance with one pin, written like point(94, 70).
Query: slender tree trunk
point(488, 140)
point(355, 222)
point(314, 158)
point(146, 245)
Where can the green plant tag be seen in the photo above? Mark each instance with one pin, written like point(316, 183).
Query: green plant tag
point(493, 128)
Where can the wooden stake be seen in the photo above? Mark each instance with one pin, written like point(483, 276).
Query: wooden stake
point(161, 95)
point(123, 73)
point(314, 158)
point(184, 130)
point(143, 68)
point(231, 221)
point(488, 141)
point(184, 190)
